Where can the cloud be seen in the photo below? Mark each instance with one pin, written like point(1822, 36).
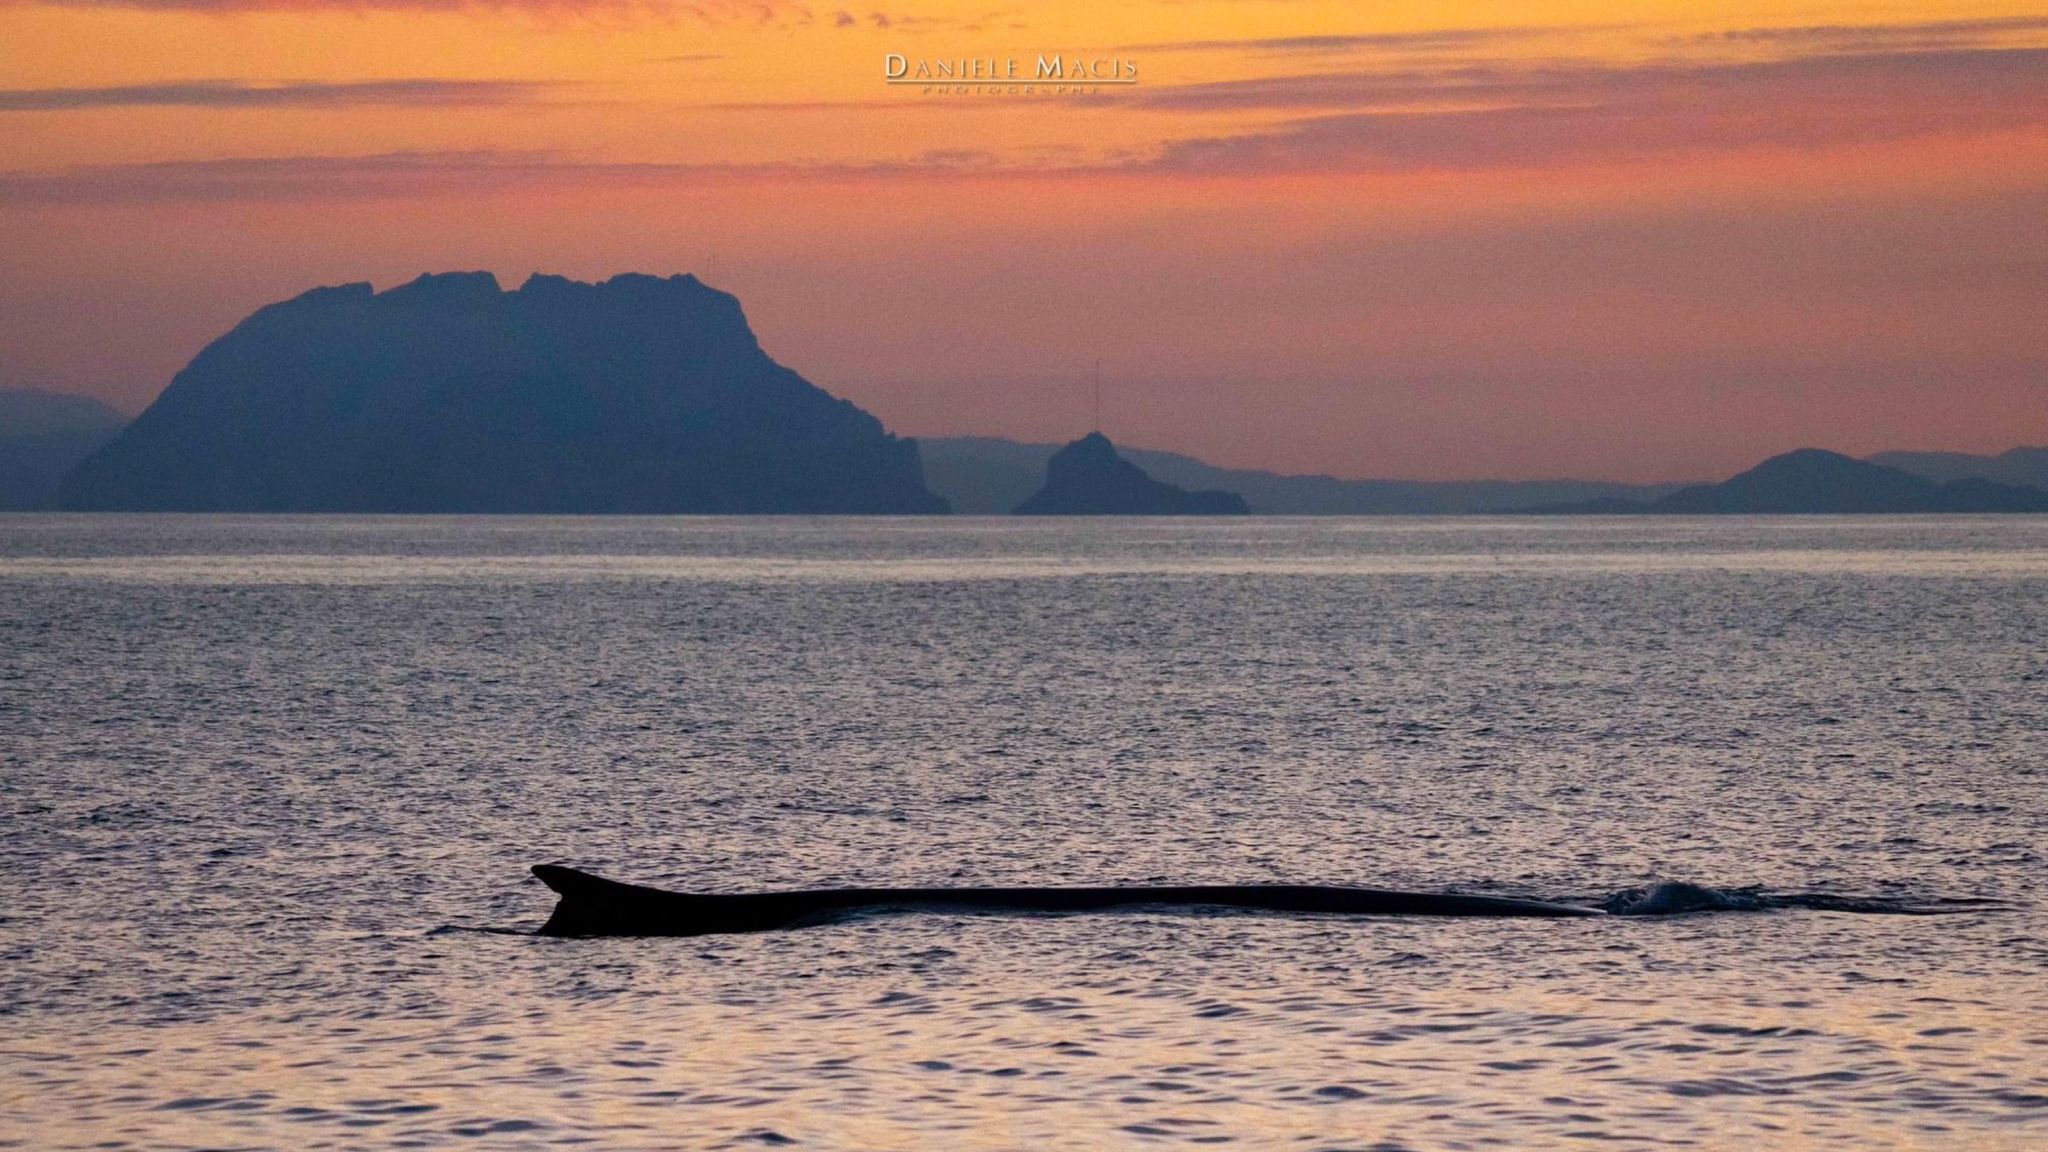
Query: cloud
point(270, 178)
point(1433, 40)
point(1881, 37)
point(845, 19)
point(1489, 115)
point(392, 175)
point(1503, 116)
point(243, 94)
point(1350, 90)
point(958, 158)
point(1810, 38)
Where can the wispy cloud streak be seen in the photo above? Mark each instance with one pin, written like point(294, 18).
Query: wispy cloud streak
point(1503, 116)
point(244, 94)
point(1442, 39)
point(413, 174)
point(719, 12)
point(301, 177)
point(1470, 115)
point(1881, 37)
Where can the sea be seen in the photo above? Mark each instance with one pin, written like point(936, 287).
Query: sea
point(270, 788)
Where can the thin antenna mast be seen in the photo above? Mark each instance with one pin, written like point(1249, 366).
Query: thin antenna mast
point(1098, 396)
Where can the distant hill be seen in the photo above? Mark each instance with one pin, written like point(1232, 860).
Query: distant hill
point(2024, 466)
point(985, 476)
point(448, 394)
point(1088, 478)
point(43, 435)
point(1812, 480)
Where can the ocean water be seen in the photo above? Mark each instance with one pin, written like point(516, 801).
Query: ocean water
point(263, 781)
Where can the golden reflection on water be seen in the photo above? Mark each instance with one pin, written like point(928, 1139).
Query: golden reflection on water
point(1483, 1064)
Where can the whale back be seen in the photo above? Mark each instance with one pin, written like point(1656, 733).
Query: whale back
point(593, 906)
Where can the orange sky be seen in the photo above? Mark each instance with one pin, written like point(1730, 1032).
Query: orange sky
point(1643, 240)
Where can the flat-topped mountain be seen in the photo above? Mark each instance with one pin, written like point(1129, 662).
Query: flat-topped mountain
point(448, 394)
point(1088, 478)
point(1813, 480)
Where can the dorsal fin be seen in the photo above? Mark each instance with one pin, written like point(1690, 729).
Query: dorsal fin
point(571, 882)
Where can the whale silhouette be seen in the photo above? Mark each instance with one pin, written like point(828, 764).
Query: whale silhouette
point(594, 906)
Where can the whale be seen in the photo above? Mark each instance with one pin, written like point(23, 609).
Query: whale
point(591, 905)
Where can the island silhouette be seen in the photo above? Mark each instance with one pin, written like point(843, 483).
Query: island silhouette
point(1816, 481)
point(642, 394)
point(447, 394)
point(990, 475)
point(2024, 466)
point(44, 435)
point(1089, 478)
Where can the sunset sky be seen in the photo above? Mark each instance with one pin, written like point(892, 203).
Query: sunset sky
point(1633, 240)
